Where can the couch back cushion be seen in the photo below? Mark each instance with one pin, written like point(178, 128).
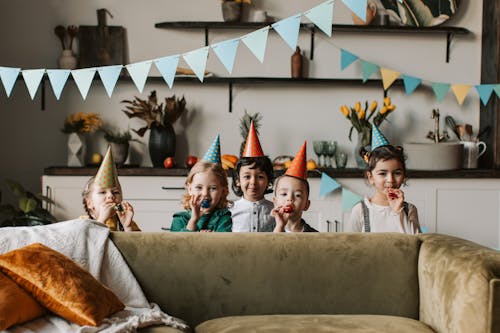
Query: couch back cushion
point(200, 276)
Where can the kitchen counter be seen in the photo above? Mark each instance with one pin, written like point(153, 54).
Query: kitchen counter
point(334, 173)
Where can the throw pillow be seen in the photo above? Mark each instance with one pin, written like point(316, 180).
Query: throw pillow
point(59, 284)
point(16, 305)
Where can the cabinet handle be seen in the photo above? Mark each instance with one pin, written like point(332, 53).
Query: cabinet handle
point(328, 223)
point(48, 194)
point(171, 188)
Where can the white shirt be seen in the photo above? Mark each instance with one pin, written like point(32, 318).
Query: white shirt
point(250, 216)
point(384, 219)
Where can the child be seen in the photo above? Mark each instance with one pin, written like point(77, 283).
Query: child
point(291, 197)
point(206, 199)
point(386, 211)
point(102, 198)
point(252, 178)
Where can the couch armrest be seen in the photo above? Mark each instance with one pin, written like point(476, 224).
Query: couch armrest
point(459, 285)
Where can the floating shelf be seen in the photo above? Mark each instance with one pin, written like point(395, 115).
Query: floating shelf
point(207, 25)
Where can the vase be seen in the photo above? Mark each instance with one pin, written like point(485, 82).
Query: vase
point(120, 152)
point(161, 144)
point(76, 150)
point(364, 139)
point(67, 60)
point(231, 11)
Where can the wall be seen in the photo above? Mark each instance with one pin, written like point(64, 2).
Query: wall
point(30, 139)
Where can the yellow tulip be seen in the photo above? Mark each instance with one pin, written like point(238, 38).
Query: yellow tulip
point(345, 110)
point(357, 107)
point(361, 114)
point(373, 106)
point(391, 107)
point(387, 101)
point(383, 110)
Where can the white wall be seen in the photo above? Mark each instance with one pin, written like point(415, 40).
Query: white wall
point(30, 139)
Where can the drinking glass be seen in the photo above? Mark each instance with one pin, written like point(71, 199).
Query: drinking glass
point(329, 151)
point(341, 159)
point(318, 150)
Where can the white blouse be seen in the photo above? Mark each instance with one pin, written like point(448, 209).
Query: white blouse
point(251, 216)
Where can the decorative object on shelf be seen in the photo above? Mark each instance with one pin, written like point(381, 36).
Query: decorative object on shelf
point(341, 159)
point(76, 125)
point(119, 142)
point(419, 13)
point(297, 62)
point(67, 59)
point(29, 212)
point(436, 135)
point(472, 152)
point(231, 9)
point(257, 15)
point(245, 123)
point(371, 12)
point(159, 119)
point(362, 120)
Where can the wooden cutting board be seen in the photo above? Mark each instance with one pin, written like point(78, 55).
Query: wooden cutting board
point(102, 46)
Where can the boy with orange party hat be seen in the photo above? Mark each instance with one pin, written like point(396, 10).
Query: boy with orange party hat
point(102, 198)
point(252, 179)
point(291, 196)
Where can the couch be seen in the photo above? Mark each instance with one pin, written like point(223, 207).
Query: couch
point(322, 282)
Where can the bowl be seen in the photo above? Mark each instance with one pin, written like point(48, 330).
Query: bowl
point(434, 156)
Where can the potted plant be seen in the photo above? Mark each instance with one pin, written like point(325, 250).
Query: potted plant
point(29, 212)
point(159, 119)
point(119, 142)
point(231, 9)
point(77, 125)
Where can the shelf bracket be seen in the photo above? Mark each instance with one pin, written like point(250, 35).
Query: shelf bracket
point(449, 38)
point(230, 97)
point(206, 35)
point(42, 96)
point(313, 31)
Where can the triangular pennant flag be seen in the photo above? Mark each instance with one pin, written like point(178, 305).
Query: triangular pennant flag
point(349, 199)
point(424, 229)
point(226, 51)
point(107, 176)
point(9, 75)
point(327, 184)
point(83, 78)
point(440, 90)
point(252, 144)
point(346, 58)
point(139, 73)
point(213, 152)
point(58, 78)
point(368, 69)
point(109, 75)
point(167, 67)
point(411, 83)
point(288, 29)
point(460, 91)
point(298, 166)
point(32, 78)
point(378, 139)
point(358, 7)
point(256, 42)
point(497, 90)
point(485, 91)
point(322, 16)
point(197, 60)
point(388, 77)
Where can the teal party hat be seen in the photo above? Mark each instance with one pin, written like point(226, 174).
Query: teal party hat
point(213, 153)
point(378, 139)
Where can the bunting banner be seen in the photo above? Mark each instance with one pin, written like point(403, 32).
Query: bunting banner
point(440, 89)
point(368, 69)
point(139, 73)
point(349, 199)
point(32, 78)
point(109, 76)
point(256, 42)
point(9, 76)
point(197, 60)
point(58, 78)
point(411, 83)
point(322, 16)
point(460, 91)
point(288, 29)
point(83, 79)
point(226, 52)
point(346, 58)
point(327, 185)
point(167, 67)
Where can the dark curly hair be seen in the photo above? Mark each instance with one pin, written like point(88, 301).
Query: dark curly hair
point(262, 163)
point(383, 153)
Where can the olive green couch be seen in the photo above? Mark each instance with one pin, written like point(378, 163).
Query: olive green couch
point(323, 282)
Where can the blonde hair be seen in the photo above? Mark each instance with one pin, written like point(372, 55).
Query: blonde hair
point(218, 171)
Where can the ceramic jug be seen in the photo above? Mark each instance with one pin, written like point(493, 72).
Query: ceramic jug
point(472, 151)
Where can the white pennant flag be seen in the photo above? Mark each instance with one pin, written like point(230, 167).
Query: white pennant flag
point(139, 73)
point(32, 78)
point(83, 79)
point(197, 60)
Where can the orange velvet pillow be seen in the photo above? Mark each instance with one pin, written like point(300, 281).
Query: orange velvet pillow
point(59, 284)
point(16, 305)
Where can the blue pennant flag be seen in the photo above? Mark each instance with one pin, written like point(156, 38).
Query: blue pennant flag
point(9, 75)
point(83, 78)
point(440, 90)
point(349, 199)
point(109, 75)
point(213, 152)
point(168, 67)
point(424, 229)
point(32, 78)
point(368, 69)
point(197, 60)
point(139, 73)
point(485, 91)
point(346, 58)
point(288, 29)
point(226, 51)
point(256, 42)
point(497, 90)
point(58, 78)
point(322, 16)
point(411, 83)
point(358, 7)
point(327, 184)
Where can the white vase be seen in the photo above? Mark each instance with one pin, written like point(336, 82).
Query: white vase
point(76, 150)
point(67, 60)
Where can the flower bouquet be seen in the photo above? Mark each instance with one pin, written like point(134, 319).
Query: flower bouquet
point(82, 122)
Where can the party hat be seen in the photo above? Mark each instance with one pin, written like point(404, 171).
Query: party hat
point(252, 145)
point(213, 153)
point(107, 176)
point(378, 139)
point(298, 166)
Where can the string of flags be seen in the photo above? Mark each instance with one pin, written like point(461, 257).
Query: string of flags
point(288, 29)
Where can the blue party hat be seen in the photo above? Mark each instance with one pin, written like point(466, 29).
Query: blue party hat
point(378, 139)
point(213, 153)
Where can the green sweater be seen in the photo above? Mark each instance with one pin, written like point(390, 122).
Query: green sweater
point(218, 221)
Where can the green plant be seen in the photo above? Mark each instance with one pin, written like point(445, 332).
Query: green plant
point(245, 123)
point(29, 212)
point(117, 136)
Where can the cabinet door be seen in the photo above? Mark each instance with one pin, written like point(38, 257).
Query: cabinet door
point(155, 215)
point(66, 193)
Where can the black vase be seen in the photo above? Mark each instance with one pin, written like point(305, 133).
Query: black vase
point(161, 144)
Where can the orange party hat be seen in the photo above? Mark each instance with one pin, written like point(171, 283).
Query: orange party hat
point(107, 176)
point(298, 166)
point(252, 145)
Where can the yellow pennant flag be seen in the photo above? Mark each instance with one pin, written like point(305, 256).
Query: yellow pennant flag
point(388, 77)
point(460, 91)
